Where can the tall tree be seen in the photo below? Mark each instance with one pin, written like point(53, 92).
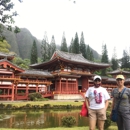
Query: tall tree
point(6, 17)
point(88, 53)
point(83, 46)
point(91, 56)
point(75, 48)
point(114, 60)
point(104, 58)
point(34, 55)
point(52, 46)
point(64, 44)
point(125, 60)
point(45, 48)
point(71, 45)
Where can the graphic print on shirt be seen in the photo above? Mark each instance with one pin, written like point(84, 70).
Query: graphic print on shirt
point(98, 97)
point(91, 95)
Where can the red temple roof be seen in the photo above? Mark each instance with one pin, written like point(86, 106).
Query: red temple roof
point(8, 65)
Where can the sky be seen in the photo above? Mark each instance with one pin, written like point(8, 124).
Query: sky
point(101, 21)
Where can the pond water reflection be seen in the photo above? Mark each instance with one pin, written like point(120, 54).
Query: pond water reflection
point(27, 119)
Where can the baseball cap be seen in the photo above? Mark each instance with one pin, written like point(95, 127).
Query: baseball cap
point(120, 77)
point(97, 77)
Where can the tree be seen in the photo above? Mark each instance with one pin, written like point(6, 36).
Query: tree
point(4, 46)
point(45, 49)
point(104, 58)
point(91, 56)
point(52, 45)
point(83, 46)
point(114, 61)
point(71, 45)
point(21, 63)
point(64, 44)
point(88, 53)
point(75, 48)
point(34, 55)
point(125, 60)
point(7, 17)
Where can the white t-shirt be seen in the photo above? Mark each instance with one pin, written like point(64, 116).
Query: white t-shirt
point(91, 95)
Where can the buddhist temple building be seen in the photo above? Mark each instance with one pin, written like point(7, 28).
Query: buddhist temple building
point(64, 76)
point(72, 73)
point(16, 83)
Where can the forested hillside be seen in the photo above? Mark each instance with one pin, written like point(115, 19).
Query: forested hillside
point(21, 43)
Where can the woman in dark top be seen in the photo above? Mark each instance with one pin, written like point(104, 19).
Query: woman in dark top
point(123, 121)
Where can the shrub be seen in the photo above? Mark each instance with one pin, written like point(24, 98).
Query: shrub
point(34, 96)
point(108, 121)
point(68, 121)
point(9, 106)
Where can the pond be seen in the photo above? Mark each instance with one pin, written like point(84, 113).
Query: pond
point(28, 119)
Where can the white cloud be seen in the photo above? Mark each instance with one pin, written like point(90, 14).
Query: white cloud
point(102, 21)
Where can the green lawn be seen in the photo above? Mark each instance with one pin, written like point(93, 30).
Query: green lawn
point(41, 103)
point(62, 128)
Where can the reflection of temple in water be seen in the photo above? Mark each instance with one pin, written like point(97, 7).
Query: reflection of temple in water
point(40, 119)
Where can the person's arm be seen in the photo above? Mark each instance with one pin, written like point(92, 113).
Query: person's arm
point(112, 105)
point(87, 102)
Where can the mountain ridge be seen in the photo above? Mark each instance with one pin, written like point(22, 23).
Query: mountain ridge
point(21, 43)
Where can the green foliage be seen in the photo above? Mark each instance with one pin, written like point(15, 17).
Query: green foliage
point(125, 60)
point(4, 46)
point(34, 96)
point(83, 46)
point(89, 55)
point(71, 46)
point(45, 49)
point(104, 54)
point(75, 47)
point(6, 18)
point(108, 121)
point(115, 64)
point(1, 116)
point(88, 52)
point(52, 46)
point(104, 58)
point(64, 44)
point(21, 63)
point(68, 121)
point(1, 91)
point(34, 57)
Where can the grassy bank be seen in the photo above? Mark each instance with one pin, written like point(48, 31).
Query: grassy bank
point(62, 128)
point(41, 103)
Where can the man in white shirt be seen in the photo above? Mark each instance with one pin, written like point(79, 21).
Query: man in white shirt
point(97, 102)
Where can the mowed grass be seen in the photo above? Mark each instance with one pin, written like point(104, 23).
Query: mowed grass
point(41, 103)
point(62, 128)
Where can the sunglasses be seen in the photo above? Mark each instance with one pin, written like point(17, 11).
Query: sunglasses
point(119, 79)
point(97, 80)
